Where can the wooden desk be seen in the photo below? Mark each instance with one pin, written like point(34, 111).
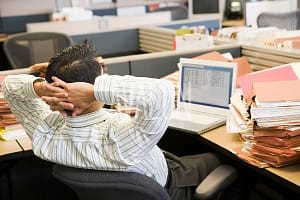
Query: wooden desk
point(229, 141)
point(230, 23)
point(9, 149)
point(286, 180)
point(3, 37)
point(14, 149)
point(25, 143)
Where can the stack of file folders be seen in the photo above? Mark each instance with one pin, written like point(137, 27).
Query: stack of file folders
point(9, 125)
point(268, 117)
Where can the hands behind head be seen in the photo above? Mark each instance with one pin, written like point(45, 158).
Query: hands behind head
point(67, 97)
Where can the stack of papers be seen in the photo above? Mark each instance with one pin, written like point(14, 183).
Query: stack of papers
point(6, 117)
point(276, 103)
point(281, 39)
point(277, 146)
point(269, 119)
point(9, 126)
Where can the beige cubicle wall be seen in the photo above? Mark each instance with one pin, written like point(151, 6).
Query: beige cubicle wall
point(156, 39)
point(159, 64)
point(261, 57)
point(161, 37)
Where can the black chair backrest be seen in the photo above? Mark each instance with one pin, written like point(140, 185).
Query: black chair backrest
point(285, 20)
point(109, 185)
point(25, 49)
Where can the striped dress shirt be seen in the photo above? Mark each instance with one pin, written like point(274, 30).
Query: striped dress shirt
point(103, 139)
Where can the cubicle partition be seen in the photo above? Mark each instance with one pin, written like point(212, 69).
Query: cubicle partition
point(112, 43)
point(118, 65)
point(160, 38)
point(138, 40)
point(159, 64)
point(262, 57)
point(154, 65)
point(17, 24)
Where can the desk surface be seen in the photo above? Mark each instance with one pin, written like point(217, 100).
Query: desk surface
point(230, 141)
point(10, 150)
point(230, 23)
point(25, 143)
point(9, 147)
point(3, 37)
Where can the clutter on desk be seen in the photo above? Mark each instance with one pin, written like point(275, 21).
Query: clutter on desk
point(10, 129)
point(267, 36)
point(192, 41)
point(9, 126)
point(192, 38)
point(281, 39)
point(243, 33)
point(265, 112)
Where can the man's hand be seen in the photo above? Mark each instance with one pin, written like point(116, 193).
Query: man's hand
point(79, 94)
point(53, 95)
point(40, 67)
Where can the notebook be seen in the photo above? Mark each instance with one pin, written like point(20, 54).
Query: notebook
point(204, 92)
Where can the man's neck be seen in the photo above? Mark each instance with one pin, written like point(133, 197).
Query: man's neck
point(94, 106)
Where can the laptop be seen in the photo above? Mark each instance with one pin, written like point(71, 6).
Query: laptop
point(204, 91)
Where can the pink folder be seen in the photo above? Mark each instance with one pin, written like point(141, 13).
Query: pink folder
point(281, 73)
point(277, 91)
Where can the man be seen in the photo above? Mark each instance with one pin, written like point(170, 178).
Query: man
point(86, 135)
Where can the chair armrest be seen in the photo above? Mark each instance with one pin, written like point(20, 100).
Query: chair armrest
point(216, 182)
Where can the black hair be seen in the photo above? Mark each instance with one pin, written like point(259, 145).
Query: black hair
point(76, 63)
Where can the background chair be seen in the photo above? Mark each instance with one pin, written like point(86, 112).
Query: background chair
point(286, 20)
point(26, 49)
point(108, 185)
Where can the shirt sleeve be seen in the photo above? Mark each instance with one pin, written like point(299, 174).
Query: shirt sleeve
point(154, 100)
point(26, 105)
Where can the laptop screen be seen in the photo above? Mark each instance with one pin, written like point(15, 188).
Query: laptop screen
point(208, 83)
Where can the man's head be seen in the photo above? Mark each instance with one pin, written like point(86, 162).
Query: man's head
point(76, 63)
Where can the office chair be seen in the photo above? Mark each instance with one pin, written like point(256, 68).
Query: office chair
point(25, 49)
point(287, 20)
point(111, 185)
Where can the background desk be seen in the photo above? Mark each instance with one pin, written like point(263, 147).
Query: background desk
point(230, 23)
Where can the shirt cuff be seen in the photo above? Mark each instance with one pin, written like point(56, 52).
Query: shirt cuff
point(28, 85)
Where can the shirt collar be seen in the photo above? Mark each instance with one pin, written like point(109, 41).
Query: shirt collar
point(87, 119)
